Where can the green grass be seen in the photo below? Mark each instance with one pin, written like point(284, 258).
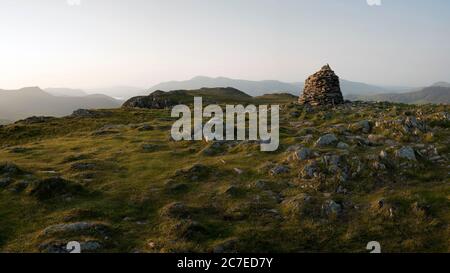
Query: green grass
point(127, 188)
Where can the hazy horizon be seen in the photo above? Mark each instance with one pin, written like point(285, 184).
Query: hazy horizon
point(105, 43)
point(103, 88)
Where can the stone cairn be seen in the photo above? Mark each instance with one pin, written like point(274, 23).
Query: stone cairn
point(322, 88)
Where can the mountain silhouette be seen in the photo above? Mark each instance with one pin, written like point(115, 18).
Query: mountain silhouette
point(433, 94)
point(33, 101)
point(66, 92)
point(258, 88)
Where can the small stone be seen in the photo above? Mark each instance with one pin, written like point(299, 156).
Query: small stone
point(4, 182)
point(145, 127)
point(435, 158)
point(365, 125)
point(406, 153)
point(279, 170)
point(10, 169)
point(261, 184)
point(331, 160)
point(293, 148)
point(20, 186)
point(390, 142)
point(412, 123)
point(90, 246)
point(342, 145)
point(331, 208)
point(341, 190)
point(295, 114)
point(376, 139)
point(303, 154)
point(232, 191)
point(378, 166)
point(309, 170)
point(383, 155)
point(326, 140)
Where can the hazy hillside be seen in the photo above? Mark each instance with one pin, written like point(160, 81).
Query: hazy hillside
point(257, 88)
point(442, 84)
point(4, 121)
point(33, 101)
point(432, 94)
point(253, 88)
point(119, 92)
point(66, 92)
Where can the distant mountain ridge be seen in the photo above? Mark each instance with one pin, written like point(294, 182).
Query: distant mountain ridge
point(4, 121)
point(66, 92)
point(118, 92)
point(253, 88)
point(442, 84)
point(434, 94)
point(258, 88)
point(33, 101)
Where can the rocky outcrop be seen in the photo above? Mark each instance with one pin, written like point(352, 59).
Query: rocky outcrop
point(86, 113)
point(322, 88)
point(156, 100)
point(35, 119)
point(163, 100)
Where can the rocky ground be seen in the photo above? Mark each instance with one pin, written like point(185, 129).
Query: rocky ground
point(116, 182)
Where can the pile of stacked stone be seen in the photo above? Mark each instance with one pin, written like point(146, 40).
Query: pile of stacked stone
point(322, 88)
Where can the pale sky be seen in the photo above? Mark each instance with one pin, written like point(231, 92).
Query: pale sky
point(99, 43)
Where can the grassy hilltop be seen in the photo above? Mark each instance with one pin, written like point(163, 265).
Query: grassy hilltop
point(115, 181)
